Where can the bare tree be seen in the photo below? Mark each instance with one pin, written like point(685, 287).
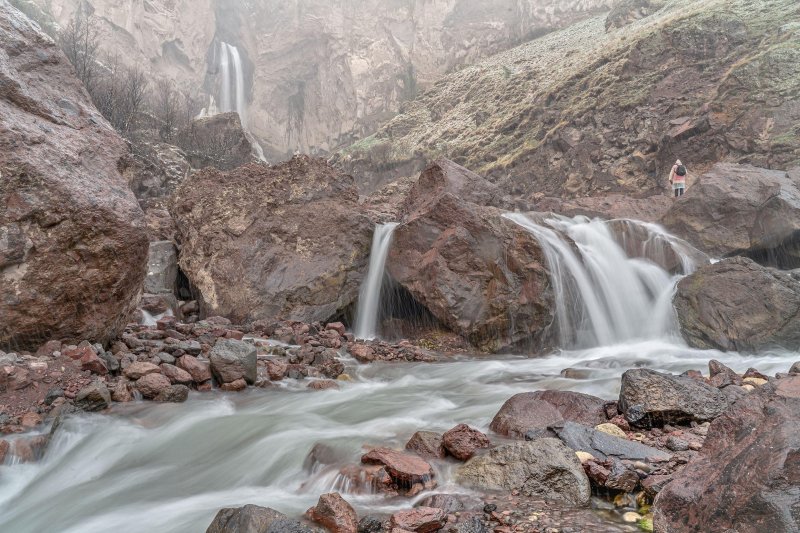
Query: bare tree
point(79, 41)
point(167, 109)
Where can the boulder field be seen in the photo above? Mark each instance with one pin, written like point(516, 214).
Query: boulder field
point(73, 244)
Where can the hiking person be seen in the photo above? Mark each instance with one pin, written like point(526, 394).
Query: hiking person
point(677, 177)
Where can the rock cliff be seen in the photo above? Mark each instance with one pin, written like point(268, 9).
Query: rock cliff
point(316, 74)
point(606, 105)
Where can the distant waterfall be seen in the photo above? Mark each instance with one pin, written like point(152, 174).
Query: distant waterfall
point(232, 96)
point(603, 295)
point(369, 297)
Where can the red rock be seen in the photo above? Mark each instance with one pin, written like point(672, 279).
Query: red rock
point(166, 322)
point(91, 362)
point(427, 444)
point(77, 352)
point(199, 370)
point(30, 420)
point(121, 391)
point(234, 334)
point(276, 369)
point(335, 514)
point(323, 384)
point(404, 468)
point(47, 349)
point(140, 369)
point(175, 374)
point(462, 441)
point(338, 327)
point(234, 386)
point(205, 386)
point(537, 411)
point(150, 385)
point(362, 353)
point(19, 378)
point(419, 519)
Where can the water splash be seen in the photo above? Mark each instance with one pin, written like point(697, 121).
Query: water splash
point(604, 294)
point(369, 297)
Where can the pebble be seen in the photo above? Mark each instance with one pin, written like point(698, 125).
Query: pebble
point(630, 517)
point(611, 429)
point(677, 445)
point(584, 456)
point(755, 382)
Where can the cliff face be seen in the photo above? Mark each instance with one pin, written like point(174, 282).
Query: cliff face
point(607, 104)
point(317, 74)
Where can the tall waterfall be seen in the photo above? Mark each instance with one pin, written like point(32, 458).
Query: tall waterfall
point(604, 295)
point(232, 95)
point(369, 297)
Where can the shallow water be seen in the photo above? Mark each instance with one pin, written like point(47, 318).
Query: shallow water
point(170, 467)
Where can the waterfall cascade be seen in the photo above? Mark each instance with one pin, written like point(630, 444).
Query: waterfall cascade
point(610, 288)
point(232, 96)
point(369, 297)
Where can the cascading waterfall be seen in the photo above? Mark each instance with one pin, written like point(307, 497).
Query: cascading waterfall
point(369, 297)
point(232, 95)
point(603, 295)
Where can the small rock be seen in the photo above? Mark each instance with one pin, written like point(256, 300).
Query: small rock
point(140, 369)
point(30, 420)
point(427, 444)
point(247, 519)
point(323, 384)
point(370, 524)
point(677, 445)
point(755, 382)
point(463, 441)
point(232, 360)
point(234, 386)
point(611, 429)
point(335, 514)
point(631, 518)
point(150, 385)
point(94, 397)
point(121, 392)
point(199, 370)
point(52, 394)
point(584, 456)
point(175, 374)
point(795, 368)
point(173, 394)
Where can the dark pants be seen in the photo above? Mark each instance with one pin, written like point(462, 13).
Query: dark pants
point(679, 192)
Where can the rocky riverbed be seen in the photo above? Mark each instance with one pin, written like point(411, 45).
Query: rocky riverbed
point(386, 426)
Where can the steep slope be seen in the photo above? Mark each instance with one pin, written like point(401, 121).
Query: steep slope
point(316, 74)
point(589, 110)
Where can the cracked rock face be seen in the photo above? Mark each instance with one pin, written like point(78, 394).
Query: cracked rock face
point(73, 245)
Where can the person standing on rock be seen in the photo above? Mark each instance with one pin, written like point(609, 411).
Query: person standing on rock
point(677, 177)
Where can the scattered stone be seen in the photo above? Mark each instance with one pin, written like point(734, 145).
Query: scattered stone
point(232, 359)
point(463, 441)
point(427, 444)
point(404, 468)
point(237, 385)
point(173, 393)
point(721, 375)
point(370, 524)
point(121, 392)
point(199, 370)
point(755, 382)
point(676, 444)
point(175, 374)
point(543, 468)
point(323, 384)
point(611, 429)
point(335, 514)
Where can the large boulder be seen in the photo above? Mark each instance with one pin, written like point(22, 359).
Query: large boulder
point(739, 208)
point(216, 141)
point(737, 304)
point(233, 359)
point(535, 413)
point(263, 242)
point(73, 243)
point(746, 476)
point(480, 275)
point(648, 398)
point(542, 468)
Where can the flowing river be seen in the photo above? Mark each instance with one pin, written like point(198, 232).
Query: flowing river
point(170, 467)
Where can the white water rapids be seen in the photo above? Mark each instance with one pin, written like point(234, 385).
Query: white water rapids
point(170, 467)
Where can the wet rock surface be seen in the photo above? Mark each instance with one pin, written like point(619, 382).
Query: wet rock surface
point(737, 304)
point(335, 514)
point(535, 413)
point(246, 519)
point(60, 185)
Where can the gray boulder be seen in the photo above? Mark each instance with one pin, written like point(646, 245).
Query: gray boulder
point(232, 359)
point(94, 397)
point(648, 399)
point(537, 412)
point(739, 305)
point(247, 519)
point(543, 468)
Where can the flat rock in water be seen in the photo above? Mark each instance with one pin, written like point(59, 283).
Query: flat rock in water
point(544, 468)
point(247, 519)
point(402, 467)
point(604, 446)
